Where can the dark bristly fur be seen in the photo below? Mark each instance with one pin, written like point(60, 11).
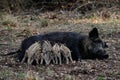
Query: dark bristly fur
point(82, 46)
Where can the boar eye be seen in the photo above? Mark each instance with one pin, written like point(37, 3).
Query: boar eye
point(89, 47)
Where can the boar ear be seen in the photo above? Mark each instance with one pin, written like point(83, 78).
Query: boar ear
point(93, 34)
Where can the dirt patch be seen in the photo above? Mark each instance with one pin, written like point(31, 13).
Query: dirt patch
point(108, 69)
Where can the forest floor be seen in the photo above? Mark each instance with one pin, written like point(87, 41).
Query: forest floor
point(15, 28)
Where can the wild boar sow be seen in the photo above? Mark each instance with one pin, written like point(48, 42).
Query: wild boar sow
point(88, 46)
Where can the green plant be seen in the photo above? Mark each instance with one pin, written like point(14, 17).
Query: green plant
point(67, 23)
point(50, 72)
point(9, 20)
point(67, 77)
point(1, 15)
point(6, 73)
point(100, 78)
point(44, 22)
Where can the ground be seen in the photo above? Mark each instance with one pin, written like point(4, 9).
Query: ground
point(15, 28)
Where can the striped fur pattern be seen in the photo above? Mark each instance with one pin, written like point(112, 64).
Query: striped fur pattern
point(44, 51)
point(56, 53)
point(65, 51)
point(33, 52)
point(47, 51)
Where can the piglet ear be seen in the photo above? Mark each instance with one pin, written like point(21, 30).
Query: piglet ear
point(93, 34)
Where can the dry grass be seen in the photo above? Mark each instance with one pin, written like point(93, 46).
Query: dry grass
point(31, 25)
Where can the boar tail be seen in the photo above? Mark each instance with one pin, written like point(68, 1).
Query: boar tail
point(11, 53)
